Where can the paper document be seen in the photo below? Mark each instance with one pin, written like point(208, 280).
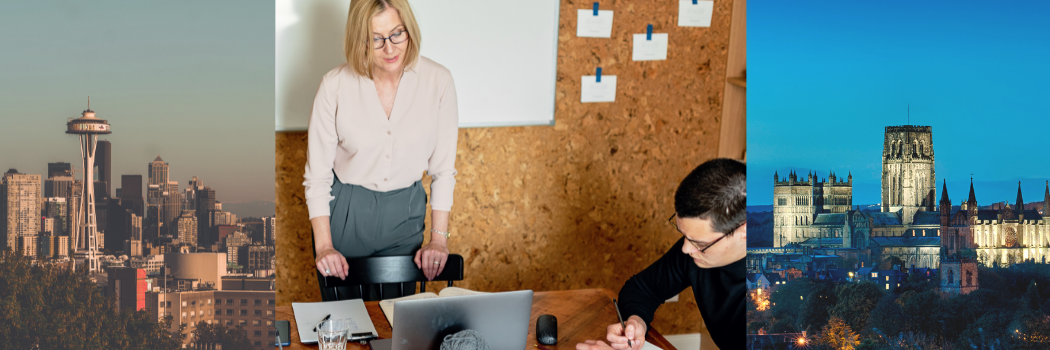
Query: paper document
point(388, 305)
point(698, 15)
point(589, 25)
point(650, 346)
point(308, 315)
point(649, 50)
point(593, 91)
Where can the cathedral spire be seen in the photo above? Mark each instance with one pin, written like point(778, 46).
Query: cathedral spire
point(972, 199)
point(1046, 200)
point(774, 177)
point(1020, 203)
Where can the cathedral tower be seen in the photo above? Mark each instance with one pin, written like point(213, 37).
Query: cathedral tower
point(908, 179)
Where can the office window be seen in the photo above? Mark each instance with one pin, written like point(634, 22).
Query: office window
point(218, 301)
point(269, 312)
point(258, 343)
point(183, 303)
point(255, 322)
point(229, 312)
point(229, 301)
point(242, 322)
point(258, 334)
point(244, 301)
point(244, 312)
point(218, 312)
point(269, 323)
point(258, 312)
point(209, 301)
point(269, 302)
point(184, 314)
point(258, 302)
point(194, 303)
point(193, 313)
point(209, 312)
point(229, 322)
point(270, 333)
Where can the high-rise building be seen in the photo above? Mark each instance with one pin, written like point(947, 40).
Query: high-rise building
point(131, 193)
point(233, 241)
point(908, 181)
point(57, 208)
point(172, 204)
point(59, 169)
point(269, 230)
point(128, 286)
point(103, 165)
point(59, 186)
point(27, 245)
point(256, 259)
point(187, 228)
point(88, 128)
point(19, 205)
point(158, 180)
point(204, 209)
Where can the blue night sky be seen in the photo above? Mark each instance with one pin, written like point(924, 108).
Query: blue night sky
point(191, 81)
point(826, 78)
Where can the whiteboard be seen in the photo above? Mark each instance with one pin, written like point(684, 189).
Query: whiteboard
point(502, 55)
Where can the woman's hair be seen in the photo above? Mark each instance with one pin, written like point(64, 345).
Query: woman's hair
point(358, 41)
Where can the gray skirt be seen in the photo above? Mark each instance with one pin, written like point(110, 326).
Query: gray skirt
point(370, 223)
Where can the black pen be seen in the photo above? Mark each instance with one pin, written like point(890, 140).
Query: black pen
point(624, 325)
point(322, 321)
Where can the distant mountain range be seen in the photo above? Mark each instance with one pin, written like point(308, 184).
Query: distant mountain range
point(250, 209)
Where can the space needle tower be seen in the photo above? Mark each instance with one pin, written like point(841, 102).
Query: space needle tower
point(88, 127)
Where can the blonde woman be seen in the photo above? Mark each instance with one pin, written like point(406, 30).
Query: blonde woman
point(378, 122)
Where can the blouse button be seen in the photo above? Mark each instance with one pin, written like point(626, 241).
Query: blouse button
point(384, 179)
point(388, 132)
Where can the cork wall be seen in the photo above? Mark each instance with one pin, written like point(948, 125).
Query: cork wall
point(583, 203)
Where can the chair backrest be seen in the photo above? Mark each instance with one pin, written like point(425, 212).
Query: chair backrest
point(393, 269)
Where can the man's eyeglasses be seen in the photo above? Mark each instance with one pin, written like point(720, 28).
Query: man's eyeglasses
point(396, 38)
point(699, 246)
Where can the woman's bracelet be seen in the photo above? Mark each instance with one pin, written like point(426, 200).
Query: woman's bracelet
point(446, 234)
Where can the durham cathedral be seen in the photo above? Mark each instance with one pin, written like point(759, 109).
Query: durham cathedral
point(911, 225)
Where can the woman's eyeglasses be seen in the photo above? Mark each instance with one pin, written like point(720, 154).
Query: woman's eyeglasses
point(395, 39)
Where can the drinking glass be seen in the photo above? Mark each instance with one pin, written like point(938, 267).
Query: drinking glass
point(331, 334)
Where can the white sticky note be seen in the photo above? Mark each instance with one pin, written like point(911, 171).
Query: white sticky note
point(698, 15)
point(650, 50)
point(591, 26)
point(593, 91)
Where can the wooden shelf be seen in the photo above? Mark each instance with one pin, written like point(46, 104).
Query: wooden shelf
point(738, 81)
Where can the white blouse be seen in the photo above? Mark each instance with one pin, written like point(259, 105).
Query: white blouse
point(350, 134)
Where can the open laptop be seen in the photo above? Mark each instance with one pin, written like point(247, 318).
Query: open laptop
point(502, 318)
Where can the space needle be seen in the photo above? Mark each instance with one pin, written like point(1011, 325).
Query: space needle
point(88, 127)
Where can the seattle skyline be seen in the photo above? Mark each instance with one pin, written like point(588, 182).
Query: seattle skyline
point(190, 82)
point(828, 77)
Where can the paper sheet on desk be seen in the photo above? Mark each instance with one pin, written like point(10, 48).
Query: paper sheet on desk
point(650, 346)
point(308, 315)
point(388, 305)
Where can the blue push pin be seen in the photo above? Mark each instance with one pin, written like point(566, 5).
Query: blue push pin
point(595, 9)
point(649, 32)
point(599, 75)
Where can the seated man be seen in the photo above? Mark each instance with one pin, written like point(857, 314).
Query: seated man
point(710, 212)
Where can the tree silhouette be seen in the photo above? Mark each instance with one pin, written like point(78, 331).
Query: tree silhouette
point(44, 306)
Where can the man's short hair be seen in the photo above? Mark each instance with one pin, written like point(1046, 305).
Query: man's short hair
point(715, 190)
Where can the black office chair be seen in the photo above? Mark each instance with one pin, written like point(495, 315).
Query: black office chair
point(378, 270)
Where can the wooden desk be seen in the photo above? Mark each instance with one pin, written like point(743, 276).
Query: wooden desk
point(582, 314)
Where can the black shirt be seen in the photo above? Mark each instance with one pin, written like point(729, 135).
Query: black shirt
point(719, 293)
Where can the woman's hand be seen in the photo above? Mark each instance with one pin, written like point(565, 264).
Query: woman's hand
point(332, 263)
point(431, 258)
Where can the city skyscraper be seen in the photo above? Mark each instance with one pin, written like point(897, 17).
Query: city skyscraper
point(158, 180)
point(19, 205)
point(88, 128)
point(59, 169)
point(104, 169)
point(131, 193)
point(59, 186)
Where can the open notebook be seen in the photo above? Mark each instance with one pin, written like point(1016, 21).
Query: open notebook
point(388, 304)
point(308, 315)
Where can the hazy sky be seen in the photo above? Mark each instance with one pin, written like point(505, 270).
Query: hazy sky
point(827, 77)
point(191, 81)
